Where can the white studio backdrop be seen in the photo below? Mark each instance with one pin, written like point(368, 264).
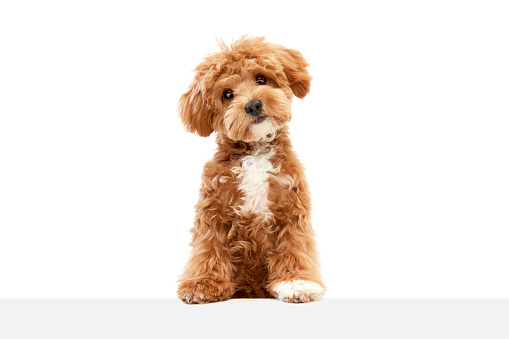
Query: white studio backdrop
point(404, 137)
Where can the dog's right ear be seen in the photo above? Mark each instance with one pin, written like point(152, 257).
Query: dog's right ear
point(194, 111)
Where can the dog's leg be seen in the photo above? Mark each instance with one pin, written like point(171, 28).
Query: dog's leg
point(208, 274)
point(294, 273)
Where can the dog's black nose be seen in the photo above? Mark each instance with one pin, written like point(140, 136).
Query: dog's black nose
point(254, 108)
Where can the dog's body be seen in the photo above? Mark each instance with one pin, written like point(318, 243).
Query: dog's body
point(252, 235)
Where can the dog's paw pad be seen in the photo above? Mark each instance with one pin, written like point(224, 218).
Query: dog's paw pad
point(298, 291)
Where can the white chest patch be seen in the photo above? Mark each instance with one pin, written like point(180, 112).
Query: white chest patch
point(253, 178)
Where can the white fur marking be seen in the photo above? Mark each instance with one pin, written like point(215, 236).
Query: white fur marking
point(266, 127)
point(301, 290)
point(256, 169)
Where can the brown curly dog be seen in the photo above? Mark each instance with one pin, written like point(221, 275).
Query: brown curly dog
point(252, 236)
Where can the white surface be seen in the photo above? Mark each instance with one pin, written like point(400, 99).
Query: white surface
point(155, 319)
point(404, 137)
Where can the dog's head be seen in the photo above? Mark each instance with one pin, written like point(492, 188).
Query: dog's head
point(245, 91)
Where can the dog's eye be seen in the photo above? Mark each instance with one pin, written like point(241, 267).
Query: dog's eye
point(228, 94)
point(261, 79)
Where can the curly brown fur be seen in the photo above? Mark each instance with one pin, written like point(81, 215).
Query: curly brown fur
point(252, 235)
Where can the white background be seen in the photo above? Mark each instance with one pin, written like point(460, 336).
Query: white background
point(404, 137)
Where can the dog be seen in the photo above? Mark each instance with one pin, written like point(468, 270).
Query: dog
point(252, 234)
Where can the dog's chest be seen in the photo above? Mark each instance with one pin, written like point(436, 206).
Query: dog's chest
point(253, 180)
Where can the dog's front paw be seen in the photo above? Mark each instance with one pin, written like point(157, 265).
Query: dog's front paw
point(298, 291)
point(204, 290)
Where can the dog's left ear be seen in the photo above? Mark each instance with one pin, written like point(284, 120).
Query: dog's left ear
point(294, 66)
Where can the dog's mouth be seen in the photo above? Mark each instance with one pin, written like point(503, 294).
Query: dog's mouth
point(260, 119)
